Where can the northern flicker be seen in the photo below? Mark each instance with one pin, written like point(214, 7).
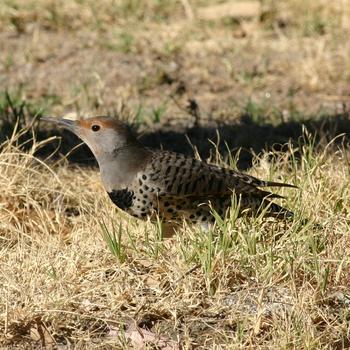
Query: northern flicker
point(149, 183)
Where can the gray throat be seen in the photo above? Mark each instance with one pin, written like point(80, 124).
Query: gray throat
point(119, 168)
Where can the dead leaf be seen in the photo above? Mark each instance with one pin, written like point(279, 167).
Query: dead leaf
point(39, 332)
point(141, 338)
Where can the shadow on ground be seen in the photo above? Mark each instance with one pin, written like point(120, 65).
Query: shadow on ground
point(242, 134)
point(249, 137)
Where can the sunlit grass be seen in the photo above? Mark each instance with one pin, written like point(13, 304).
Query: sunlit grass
point(76, 272)
point(246, 281)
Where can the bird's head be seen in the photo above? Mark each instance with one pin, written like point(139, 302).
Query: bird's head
point(105, 136)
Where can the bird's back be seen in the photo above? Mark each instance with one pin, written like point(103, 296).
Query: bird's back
point(177, 187)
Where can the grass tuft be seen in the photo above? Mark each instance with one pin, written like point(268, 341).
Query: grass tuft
point(113, 238)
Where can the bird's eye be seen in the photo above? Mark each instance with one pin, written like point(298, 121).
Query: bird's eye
point(95, 127)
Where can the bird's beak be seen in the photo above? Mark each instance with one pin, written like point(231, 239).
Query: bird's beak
point(68, 124)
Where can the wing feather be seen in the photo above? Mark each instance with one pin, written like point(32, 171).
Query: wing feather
point(181, 176)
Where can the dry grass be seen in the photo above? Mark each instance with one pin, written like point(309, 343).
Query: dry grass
point(249, 283)
point(78, 274)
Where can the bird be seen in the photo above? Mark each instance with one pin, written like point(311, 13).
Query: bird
point(153, 184)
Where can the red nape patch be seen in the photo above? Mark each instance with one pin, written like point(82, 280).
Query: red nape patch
point(104, 122)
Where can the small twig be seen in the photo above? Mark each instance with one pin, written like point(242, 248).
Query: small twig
point(188, 9)
point(65, 157)
point(74, 313)
point(140, 308)
point(172, 97)
point(180, 278)
point(193, 110)
point(194, 147)
point(6, 316)
point(195, 267)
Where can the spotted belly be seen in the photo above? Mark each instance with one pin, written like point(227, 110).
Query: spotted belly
point(141, 205)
